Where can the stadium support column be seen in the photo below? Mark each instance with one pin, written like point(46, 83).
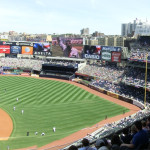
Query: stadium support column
point(145, 81)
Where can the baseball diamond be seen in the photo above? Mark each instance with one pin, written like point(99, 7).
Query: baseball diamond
point(49, 103)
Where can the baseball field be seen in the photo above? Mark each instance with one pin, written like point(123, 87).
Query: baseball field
point(48, 104)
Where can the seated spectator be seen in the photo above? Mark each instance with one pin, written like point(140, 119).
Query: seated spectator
point(101, 145)
point(103, 148)
point(133, 130)
point(148, 122)
point(72, 147)
point(86, 145)
point(144, 127)
point(115, 147)
point(116, 140)
point(126, 137)
point(140, 139)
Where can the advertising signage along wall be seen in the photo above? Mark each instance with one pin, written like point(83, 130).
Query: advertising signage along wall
point(116, 57)
point(7, 43)
point(111, 48)
point(91, 56)
point(27, 50)
point(24, 43)
point(15, 49)
point(106, 55)
point(5, 49)
point(16, 43)
point(43, 49)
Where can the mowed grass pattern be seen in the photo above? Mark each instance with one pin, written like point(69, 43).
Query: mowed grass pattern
point(48, 103)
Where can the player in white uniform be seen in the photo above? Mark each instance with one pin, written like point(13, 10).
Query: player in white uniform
point(22, 111)
point(54, 129)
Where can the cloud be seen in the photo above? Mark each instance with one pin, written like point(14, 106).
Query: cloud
point(93, 3)
point(40, 2)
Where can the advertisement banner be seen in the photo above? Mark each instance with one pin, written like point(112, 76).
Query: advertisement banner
point(90, 56)
point(138, 104)
point(126, 99)
point(43, 49)
point(27, 50)
point(111, 48)
point(15, 49)
point(5, 49)
point(112, 95)
point(24, 43)
point(7, 43)
point(106, 56)
point(101, 90)
point(116, 57)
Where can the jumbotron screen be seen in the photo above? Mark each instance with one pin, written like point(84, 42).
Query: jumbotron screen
point(94, 49)
point(67, 47)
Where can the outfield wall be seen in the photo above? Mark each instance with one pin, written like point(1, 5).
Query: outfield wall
point(114, 95)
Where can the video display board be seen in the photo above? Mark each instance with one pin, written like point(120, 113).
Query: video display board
point(27, 50)
point(111, 48)
point(107, 52)
point(15, 49)
point(43, 49)
point(5, 49)
point(116, 57)
point(106, 55)
point(92, 52)
point(67, 47)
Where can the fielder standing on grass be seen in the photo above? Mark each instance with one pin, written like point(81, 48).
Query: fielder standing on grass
point(22, 111)
point(54, 129)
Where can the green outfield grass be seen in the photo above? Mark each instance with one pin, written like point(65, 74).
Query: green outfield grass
point(46, 104)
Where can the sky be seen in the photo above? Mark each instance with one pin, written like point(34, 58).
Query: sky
point(70, 16)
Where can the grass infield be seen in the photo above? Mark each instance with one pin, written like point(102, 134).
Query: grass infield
point(48, 103)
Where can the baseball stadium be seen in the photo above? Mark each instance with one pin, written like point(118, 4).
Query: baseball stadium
point(56, 98)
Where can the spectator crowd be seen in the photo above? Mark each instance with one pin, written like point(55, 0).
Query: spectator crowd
point(131, 133)
point(63, 63)
point(126, 81)
point(109, 73)
point(21, 63)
